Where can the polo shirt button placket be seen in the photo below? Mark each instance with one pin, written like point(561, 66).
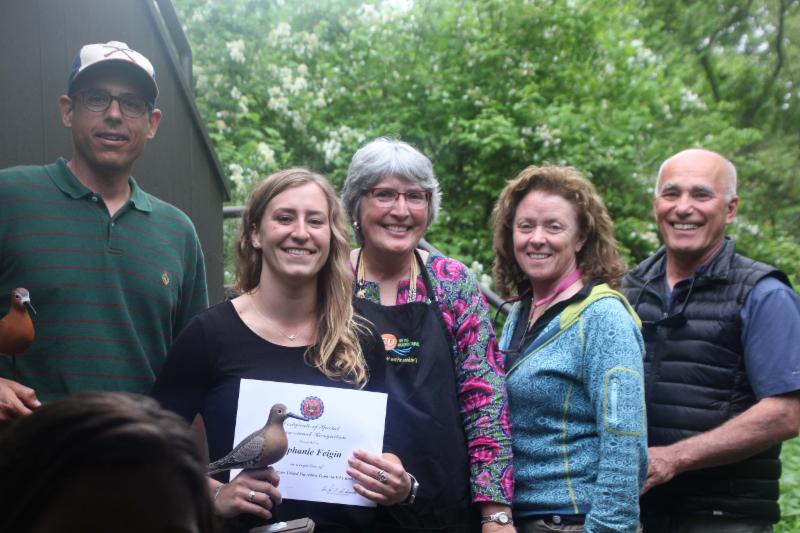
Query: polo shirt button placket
point(112, 241)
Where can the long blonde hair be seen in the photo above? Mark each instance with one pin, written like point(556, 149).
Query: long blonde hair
point(599, 258)
point(337, 352)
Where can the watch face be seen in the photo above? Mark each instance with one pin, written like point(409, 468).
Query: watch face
point(501, 518)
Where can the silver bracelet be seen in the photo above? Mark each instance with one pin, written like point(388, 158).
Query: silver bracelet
point(217, 491)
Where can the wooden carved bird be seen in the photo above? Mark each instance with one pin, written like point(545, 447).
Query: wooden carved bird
point(16, 328)
point(261, 448)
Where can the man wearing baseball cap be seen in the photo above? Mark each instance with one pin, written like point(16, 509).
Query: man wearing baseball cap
point(114, 272)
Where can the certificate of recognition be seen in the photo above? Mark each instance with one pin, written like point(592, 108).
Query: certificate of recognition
point(339, 421)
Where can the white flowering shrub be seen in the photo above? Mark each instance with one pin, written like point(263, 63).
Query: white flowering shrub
point(488, 87)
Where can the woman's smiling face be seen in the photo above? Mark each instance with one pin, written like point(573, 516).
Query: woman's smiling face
point(547, 239)
point(396, 229)
point(294, 234)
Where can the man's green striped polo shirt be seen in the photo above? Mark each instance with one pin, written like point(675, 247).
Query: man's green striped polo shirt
point(111, 292)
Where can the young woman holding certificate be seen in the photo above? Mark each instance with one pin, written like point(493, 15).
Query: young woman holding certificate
point(293, 323)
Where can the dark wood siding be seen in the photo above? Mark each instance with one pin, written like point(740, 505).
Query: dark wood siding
point(40, 38)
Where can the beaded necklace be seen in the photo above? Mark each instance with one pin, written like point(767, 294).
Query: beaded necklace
point(412, 279)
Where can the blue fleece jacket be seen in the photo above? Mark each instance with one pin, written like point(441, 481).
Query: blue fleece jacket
point(576, 400)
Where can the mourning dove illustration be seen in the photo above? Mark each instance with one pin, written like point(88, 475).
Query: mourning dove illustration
point(16, 328)
point(261, 448)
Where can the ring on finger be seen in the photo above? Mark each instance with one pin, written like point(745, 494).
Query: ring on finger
point(381, 476)
point(252, 496)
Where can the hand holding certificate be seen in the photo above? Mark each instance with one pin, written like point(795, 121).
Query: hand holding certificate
point(339, 421)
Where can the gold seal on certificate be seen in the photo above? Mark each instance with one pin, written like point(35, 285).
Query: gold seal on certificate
point(337, 422)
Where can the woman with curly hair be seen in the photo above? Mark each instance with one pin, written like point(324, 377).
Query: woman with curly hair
point(573, 357)
point(293, 323)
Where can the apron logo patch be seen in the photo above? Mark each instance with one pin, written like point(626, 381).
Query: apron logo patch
point(389, 341)
point(400, 350)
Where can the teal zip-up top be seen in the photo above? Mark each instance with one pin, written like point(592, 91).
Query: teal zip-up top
point(576, 400)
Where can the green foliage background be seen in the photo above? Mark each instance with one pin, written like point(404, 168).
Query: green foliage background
point(488, 87)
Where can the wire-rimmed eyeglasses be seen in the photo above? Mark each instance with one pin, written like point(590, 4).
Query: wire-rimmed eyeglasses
point(99, 100)
point(386, 197)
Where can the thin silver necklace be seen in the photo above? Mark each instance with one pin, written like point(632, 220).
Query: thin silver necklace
point(292, 337)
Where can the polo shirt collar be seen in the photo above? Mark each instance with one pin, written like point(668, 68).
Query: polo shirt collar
point(139, 199)
point(72, 187)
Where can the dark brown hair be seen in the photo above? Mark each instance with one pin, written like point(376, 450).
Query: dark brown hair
point(91, 432)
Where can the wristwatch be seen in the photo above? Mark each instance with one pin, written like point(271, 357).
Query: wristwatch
point(414, 488)
point(501, 518)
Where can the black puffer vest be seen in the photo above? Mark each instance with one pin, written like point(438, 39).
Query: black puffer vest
point(695, 380)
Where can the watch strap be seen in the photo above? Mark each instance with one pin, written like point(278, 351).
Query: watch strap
point(412, 494)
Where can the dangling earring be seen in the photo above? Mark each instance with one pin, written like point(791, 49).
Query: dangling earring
point(356, 225)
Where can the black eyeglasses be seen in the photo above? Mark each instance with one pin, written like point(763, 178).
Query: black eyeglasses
point(99, 100)
point(673, 321)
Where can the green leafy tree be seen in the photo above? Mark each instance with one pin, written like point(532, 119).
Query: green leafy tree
point(485, 88)
point(745, 61)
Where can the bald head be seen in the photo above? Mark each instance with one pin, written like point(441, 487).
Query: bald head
point(699, 161)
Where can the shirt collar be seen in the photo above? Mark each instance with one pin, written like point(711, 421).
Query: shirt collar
point(139, 199)
point(660, 268)
point(66, 181)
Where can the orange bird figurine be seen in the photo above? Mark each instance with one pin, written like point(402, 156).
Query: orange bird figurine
point(16, 328)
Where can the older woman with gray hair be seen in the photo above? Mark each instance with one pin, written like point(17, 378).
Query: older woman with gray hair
point(447, 416)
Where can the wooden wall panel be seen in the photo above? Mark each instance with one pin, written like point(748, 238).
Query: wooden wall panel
point(40, 39)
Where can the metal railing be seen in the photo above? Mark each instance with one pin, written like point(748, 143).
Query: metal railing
point(235, 211)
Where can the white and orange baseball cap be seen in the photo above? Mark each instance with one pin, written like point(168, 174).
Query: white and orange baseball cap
point(114, 52)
